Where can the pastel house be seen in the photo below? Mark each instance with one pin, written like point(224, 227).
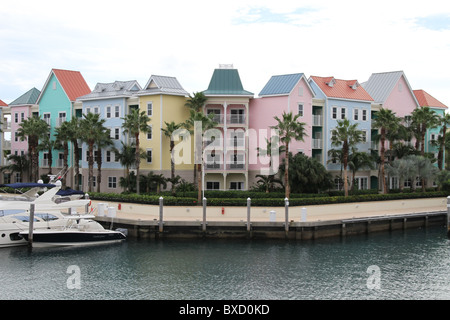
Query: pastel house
point(226, 162)
point(283, 94)
point(343, 99)
point(56, 105)
point(112, 101)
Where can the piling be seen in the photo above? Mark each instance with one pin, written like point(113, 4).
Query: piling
point(448, 216)
point(249, 204)
point(204, 215)
point(286, 216)
point(31, 226)
point(161, 218)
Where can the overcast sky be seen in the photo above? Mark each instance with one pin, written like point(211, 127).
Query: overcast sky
point(132, 40)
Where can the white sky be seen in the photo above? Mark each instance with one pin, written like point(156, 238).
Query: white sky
point(131, 40)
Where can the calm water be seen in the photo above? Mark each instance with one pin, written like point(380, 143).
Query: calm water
point(411, 265)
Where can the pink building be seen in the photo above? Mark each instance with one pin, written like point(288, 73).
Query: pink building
point(282, 93)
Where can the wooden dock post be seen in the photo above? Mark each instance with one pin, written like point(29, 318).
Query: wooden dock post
point(448, 216)
point(249, 203)
point(204, 215)
point(161, 221)
point(286, 215)
point(30, 226)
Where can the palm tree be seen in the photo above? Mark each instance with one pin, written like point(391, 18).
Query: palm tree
point(152, 180)
point(63, 136)
point(207, 123)
point(444, 122)
point(196, 103)
point(92, 128)
point(386, 121)
point(168, 132)
point(19, 163)
point(73, 132)
point(46, 144)
point(403, 169)
point(272, 149)
point(424, 118)
point(135, 123)
point(289, 129)
point(33, 129)
point(103, 140)
point(359, 160)
point(268, 182)
point(348, 136)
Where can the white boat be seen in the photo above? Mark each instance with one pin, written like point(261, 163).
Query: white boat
point(79, 231)
point(15, 212)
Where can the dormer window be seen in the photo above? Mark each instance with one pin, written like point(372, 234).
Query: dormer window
point(332, 82)
point(353, 84)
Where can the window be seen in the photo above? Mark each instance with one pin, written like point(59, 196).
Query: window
point(94, 181)
point(54, 85)
point(236, 185)
point(149, 109)
point(338, 183)
point(112, 182)
point(343, 113)
point(60, 159)
point(364, 115)
point(108, 156)
point(237, 139)
point(149, 156)
point(361, 183)
point(108, 111)
point(334, 113)
point(217, 115)
point(16, 117)
point(237, 161)
point(300, 91)
point(47, 118)
point(212, 185)
point(117, 111)
point(300, 109)
point(96, 110)
point(61, 118)
point(355, 114)
point(237, 116)
point(150, 132)
point(364, 136)
point(18, 177)
point(115, 133)
point(88, 110)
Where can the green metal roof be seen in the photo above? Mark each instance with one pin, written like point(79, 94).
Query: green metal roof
point(226, 82)
point(30, 97)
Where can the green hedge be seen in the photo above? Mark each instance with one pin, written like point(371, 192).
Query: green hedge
point(261, 202)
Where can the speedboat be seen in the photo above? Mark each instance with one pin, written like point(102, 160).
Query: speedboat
point(48, 211)
point(79, 231)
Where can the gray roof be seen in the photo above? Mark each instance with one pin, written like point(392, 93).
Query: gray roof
point(163, 85)
point(282, 84)
point(113, 90)
point(380, 85)
point(29, 97)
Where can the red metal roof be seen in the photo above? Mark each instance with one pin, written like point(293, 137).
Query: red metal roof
point(426, 100)
point(2, 104)
point(342, 88)
point(72, 82)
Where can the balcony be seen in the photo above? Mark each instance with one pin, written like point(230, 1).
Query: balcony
point(59, 122)
point(236, 119)
point(317, 143)
point(317, 120)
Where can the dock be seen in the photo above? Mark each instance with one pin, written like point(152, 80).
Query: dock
point(299, 223)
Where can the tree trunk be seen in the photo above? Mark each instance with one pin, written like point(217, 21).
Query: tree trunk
point(382, 151)
point(345, 158)
point(66, 164)
point(99, 169)
point(199, 183)
point(286, 173)
point(138, 162)
point(172, 167)
point(76, 164)
point(91, 165)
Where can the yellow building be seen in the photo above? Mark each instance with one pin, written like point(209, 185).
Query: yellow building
point(163, 99)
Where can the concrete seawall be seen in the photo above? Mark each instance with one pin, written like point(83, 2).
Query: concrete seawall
point(143, 221)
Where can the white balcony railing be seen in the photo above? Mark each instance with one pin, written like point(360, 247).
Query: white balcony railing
point(317, 120)
point(317, 143)
point(59, 122)
point(236, 118)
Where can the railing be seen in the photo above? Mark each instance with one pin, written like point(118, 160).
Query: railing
point(59, 122)
point(374, 145)
point(317, 120)
point(236, 118)
point(317, 143)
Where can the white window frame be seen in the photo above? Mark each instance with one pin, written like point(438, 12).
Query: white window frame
point(108, 111)
point(112, 182)
point(343, 113)
point(300, 109)
point(116, 111)
point(364, 115)
point(334, 113)
point(213, 184)
point(239, 185)
point(150, 132)
point(356, 114)
point(150, 108)
point(151, 155)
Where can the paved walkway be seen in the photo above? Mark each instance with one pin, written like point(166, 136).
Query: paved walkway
point(141, 212)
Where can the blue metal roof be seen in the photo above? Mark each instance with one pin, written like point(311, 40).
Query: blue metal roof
point(282, 84)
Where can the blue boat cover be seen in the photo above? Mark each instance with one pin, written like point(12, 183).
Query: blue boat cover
point(68, 192)
point(27, 185)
